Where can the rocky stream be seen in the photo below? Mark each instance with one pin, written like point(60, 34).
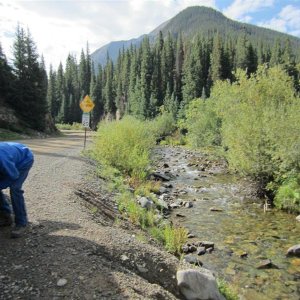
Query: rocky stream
point(230, 233)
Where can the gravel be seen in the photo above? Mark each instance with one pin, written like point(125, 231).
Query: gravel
point(71, 249)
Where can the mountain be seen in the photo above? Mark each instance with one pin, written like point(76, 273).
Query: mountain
point(197, 20)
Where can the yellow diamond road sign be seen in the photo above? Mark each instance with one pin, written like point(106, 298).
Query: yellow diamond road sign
point(87, 104)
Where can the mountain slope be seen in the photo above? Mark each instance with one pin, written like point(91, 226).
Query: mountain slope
point(197, 20)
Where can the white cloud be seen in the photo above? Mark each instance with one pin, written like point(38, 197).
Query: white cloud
point(240, 9)
point(286, 21)
point(63, 26)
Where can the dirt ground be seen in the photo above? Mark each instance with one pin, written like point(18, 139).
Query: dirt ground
point(70, 251)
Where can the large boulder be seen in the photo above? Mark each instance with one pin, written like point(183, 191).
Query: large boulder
point(198, 284)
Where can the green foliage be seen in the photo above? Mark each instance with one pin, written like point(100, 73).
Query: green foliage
point(73, 126)
point(226, 290)
point(288, 195)
point(146, 188)
point(135, 213)
point(259, 126)
point(256, 119)
point(124, 145)
point(163, 125)
point(6, 135)
point(174, 238)
point(30, 82)
point(202, 123)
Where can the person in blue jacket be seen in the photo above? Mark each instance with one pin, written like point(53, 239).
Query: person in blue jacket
point(15, 162)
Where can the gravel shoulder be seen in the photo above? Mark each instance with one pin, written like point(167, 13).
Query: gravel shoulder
point(71, 252)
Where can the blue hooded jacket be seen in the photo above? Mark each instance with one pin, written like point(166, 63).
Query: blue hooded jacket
point(14, 157)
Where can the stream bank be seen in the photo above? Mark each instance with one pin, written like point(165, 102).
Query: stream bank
point(249, 245)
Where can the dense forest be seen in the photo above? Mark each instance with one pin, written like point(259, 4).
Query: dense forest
point(169, 73)
point(221, 91)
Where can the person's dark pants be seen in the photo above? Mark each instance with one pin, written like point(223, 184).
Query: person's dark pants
point(17, 198)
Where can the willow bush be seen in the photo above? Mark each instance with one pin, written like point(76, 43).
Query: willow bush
point(202, 124)
point(257, 120)
point(124, 145)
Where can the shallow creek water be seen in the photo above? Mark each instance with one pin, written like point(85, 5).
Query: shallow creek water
point(241, 227)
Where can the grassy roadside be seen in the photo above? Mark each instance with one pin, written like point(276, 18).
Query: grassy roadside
point(122, 150)
point(7, 135)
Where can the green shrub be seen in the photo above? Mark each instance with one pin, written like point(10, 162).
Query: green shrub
point(226, 290)
point(163, 125)
point(259, 122)
point(73, 126)
point(202, 123)
point(288, 195)
point(124, 145)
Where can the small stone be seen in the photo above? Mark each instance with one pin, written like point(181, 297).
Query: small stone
point(190, 236)
point(216, 209)
point(180, 215)
point(124, 257)
point(141, 268)
point(201, 250)
point(266, 264)
point(62, 282)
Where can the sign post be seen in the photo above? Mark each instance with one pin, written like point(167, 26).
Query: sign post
point(86, 105)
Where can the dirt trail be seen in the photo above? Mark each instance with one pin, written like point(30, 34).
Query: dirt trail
point(69, 254)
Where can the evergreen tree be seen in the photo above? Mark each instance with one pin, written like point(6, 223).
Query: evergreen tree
point(51, 94)
point(30, 94)
point(179, 69)
point(60, 96)
point(6, 79)
point(145, 77)
point(96, 96)
point(168, 65)
point(133, 80)
point(251, 60)
point(276, 54)
point(242, 52)
point(72, 111)
point(109, 94)
point(217, 59)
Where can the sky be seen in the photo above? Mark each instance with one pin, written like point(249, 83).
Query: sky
point(60, 27)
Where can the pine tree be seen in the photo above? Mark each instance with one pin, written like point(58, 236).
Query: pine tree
point(133, 80)
point(96, 96)
point(72, 111)
point(145, 77)
point(51, 94)
point(30, 101)
point(168, 64)
point(60, 95)
point(6, 79)
point(241, 59)
point(217, 59)
point(179, 69)
point(276, 54)
point(109, 94)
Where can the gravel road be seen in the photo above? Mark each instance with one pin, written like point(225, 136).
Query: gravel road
point(69, 251)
